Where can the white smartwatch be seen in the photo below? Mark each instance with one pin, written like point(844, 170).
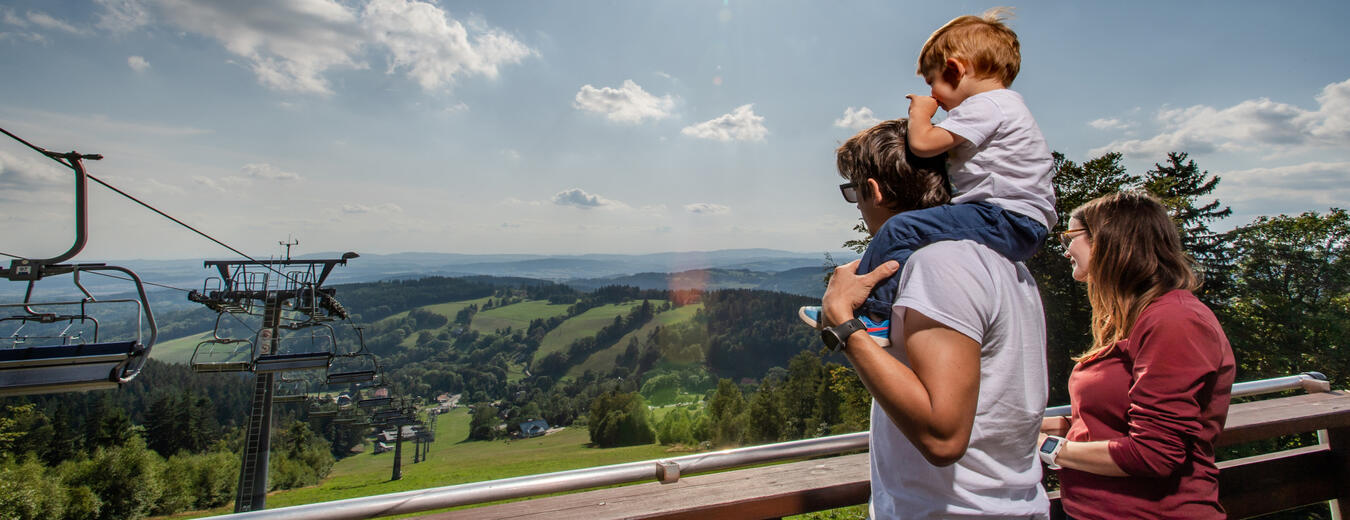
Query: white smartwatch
point(1049, 450)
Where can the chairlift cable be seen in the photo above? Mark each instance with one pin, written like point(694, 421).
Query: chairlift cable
point(142, 281)
point(12, 256)
point(55, 157)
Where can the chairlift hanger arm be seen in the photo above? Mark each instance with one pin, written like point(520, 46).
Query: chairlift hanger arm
point(23, 268)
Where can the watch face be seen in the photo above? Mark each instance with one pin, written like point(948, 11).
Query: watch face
point(830, 337)
point(1048, 446)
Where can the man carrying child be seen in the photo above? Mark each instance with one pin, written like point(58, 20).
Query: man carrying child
point(959, 394)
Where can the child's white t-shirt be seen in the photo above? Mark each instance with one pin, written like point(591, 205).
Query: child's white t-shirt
point(1004, 160)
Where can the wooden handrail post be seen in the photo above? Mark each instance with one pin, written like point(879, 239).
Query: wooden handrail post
point(1339, 441)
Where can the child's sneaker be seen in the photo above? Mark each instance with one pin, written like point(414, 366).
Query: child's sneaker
point(879, 330)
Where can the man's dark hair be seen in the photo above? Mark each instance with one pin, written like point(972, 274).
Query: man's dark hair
point(907, 181)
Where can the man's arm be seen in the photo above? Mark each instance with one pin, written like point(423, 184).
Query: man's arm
point(933, 403)
point(926, 140)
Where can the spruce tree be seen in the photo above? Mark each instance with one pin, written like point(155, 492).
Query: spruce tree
point(1181, 184)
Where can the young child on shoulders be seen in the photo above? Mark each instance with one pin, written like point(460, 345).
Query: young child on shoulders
point(998, 162)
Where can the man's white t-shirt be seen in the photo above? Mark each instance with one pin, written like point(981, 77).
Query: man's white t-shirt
point(1004, 160)
point(979, 293)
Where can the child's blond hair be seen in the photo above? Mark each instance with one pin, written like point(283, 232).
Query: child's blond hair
point(984, 42)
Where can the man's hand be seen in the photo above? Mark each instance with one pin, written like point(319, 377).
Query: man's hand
point(848, 289)
point(922, 107)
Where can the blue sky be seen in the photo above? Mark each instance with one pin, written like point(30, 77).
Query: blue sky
point(383, 126)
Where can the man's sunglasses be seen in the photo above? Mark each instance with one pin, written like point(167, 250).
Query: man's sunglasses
point(1066, 237)
point(850, 191)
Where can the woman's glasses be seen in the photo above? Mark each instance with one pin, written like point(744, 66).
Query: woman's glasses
point(1066, 237)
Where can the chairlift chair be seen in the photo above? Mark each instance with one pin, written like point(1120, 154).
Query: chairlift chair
point(358, 367)
point(291, 391)
point(223, 355)
point(318, 407)
point(65, 367)
point(220, 354)
point(369, 398)
point(297, 352)
point(67, 361)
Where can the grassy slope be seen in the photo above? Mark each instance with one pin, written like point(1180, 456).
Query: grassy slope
point(516, 316)
point(453, 460)
point(586, 324)
point(601, 361)
point(448, 309)
point(178, 350)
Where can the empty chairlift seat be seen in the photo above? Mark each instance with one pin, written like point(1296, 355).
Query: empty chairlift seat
point(311, 348)
point(290, 391)
point(352, 368)
point(297, 361)
point(223, 355)
point(65, 368)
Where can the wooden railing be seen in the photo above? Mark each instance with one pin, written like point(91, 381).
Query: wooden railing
point(1248, 487)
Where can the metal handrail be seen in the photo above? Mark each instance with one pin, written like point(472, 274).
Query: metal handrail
point(662, 470)
point(1308, 381)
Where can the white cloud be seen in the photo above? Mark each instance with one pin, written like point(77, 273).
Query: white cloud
point(1314, 178)
point(30, 171)
point(250, 172)
point(1109, 124)
point(121, 16)
point(221, 184)
point(289, 45)
point(268, 172)
point(578, 197)
point(707, 208)
point(1286, 189)
point(740, 125)
point(434, 48)
point(362, 209)
point(626, 104)
point(47, 21)
point(138, 63)
point(8, 16)
point(857, 119)
point(1260, 125)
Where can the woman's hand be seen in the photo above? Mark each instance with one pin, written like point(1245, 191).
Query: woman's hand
point(1057, 426)
point(848, 290)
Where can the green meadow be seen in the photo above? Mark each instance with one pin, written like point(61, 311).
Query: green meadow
point(454, 460)
point(603, 360)
point(583, 325)
point(516, 316)
point(178, 350)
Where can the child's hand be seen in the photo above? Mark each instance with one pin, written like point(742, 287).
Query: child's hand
point(922, 108)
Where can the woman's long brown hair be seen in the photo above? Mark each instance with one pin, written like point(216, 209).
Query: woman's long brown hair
point(1136, 257)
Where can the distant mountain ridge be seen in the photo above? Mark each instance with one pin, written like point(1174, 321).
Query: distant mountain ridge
point(805, 281)
point(775, 267)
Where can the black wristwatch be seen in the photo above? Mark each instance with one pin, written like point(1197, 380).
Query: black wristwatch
point(837, 337)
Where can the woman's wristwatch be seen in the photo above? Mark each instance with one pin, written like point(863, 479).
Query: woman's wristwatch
point(1049, 450)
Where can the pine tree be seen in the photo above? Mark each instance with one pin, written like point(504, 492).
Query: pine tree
point(1180, 184)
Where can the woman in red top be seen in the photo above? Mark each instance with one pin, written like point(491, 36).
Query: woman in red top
point(1151, 394)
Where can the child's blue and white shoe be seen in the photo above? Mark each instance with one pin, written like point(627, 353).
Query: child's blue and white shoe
point(879, 330)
